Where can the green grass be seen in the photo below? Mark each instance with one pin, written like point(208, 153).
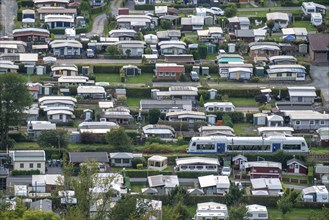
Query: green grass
point(305, 24)
point(294, 176)
point(319, 150)
point(244, 129)
point(133, 102)
point(144, 78)
point(243, 102)
point(137, 187)
point(263, 13)
point(295, 214)
point(36, 78)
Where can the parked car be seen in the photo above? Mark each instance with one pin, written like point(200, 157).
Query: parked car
point(217, 11)
point(226, 171)
point(194, 76)
point(90, 53)
point(221, 51)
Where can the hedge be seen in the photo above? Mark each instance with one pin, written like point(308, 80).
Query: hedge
point(237, 117)
point(144, 7)
point(145, 173)
point(57, 31)
point(310, 175)
point(19, 137)
point(25, 172)
point(138, 92)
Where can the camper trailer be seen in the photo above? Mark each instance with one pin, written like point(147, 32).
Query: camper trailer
point(316, 19)
point(310, 7)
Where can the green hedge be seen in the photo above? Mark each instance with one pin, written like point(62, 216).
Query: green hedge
point(57, 31)
point(19, 137)
point(139, 92)
point(144, 7)
point(237, 117)
point(310, 175)
point(25, 172)
point(145, 173)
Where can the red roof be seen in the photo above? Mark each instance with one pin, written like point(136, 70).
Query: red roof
point(171, 69)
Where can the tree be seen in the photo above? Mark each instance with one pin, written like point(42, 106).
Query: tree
point(227, 120)
point(285, 205)
point(238, 212)
point(270, 24)
point(14, 98)
point(53, 138)
point(235, 195)
point(230, 10)
point(178, 195)
point(128, 52)
point(148, 51)
point(164, 24)
point(113, 50)
point(201, 101)
point(177, 212)
point(154, 115)
point(242, 46)
point(85, 6)
point(83, 185)
point(118, 139)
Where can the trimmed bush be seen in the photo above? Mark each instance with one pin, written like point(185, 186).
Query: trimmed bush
point(310, 175)
point(144, 7)
point(25, 172)
point(139, 92)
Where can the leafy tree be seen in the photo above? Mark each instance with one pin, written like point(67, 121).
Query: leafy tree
point(124, 208)
point(177, 212)
point(118, 139)
point(235, 195)
point(270, 24)
point(14, 98)
point(85, 6)
point(148, 50)
point(227, 120)
point(154, 115)
point(128, 52)
point(230, 10)
point(285, 205)
point(201, 101)
point(53, 138)
point(195, 54)
point(164, 24)
point(238, 212)
point(113, 50)
point(242, 46)
point(87, 179)
point(178, 195)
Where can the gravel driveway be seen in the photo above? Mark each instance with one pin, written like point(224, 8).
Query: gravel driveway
point(8, 13)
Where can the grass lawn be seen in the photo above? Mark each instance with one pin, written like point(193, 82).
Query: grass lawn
point(263, 13)
point(244, 129)
point(295, 214)
point(319, 150)
point(242, 102)
point(305, 24)
point(133, 102)
point(36, 78)
point(137, 187)
point(115, 78)
point(294, 176)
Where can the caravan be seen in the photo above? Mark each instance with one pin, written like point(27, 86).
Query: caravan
point(310, 7)
point(316, 19)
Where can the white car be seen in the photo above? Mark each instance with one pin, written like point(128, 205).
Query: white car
point(217, 11)
point(226, 171)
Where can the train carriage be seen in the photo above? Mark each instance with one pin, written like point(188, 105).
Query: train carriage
point(223, 144)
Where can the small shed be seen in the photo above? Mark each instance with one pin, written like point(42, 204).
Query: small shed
point(85, 70)
point(121, 93)
point(212, 94)
point(157, 162)
point(205, 70)
point(274, 120)
point(259, 71)
point(40, 70)
point(231, 48)
point(296, 166)
point(211, 119)
point(259, 119)
point(88, 114)
point(131, 70)
point(239, 161)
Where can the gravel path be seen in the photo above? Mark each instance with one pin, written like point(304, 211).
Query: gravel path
point(8, 13)
point(98, 26)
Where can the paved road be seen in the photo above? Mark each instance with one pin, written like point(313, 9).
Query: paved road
point(321, 80)
point(98, 26)
point(97, 61)
point(8, 12)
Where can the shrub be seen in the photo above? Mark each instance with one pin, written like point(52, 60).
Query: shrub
point(310, 175)
point(25, 172)
point(139, 166)
point(138, 163)
point(144, 7)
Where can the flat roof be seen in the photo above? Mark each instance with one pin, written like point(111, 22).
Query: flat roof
point(197, 160)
